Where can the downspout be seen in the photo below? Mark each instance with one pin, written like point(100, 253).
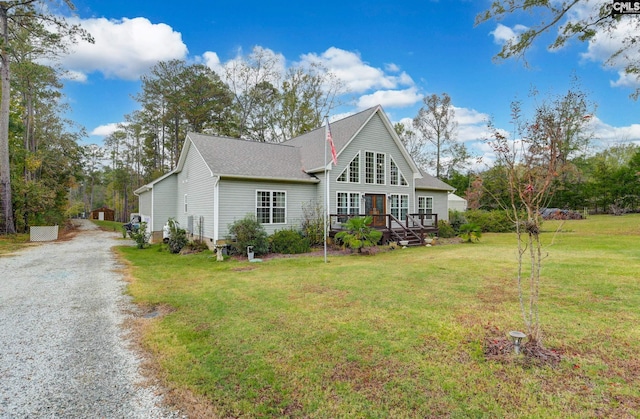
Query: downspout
point(216, 209)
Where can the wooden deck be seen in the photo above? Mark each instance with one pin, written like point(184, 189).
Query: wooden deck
point(413, 229)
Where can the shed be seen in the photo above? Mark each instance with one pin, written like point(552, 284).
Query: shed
point(457, 203)
point(103, 214)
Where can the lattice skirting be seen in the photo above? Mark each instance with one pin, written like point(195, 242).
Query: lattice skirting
point(43, 233)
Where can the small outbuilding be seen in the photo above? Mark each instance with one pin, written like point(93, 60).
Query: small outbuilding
point(457, 203)
point(103, 214)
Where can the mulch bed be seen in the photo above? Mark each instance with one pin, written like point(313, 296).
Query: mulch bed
point(501, 349)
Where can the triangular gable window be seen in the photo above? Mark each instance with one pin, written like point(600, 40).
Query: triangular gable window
point(397, 178)
point(351, 173)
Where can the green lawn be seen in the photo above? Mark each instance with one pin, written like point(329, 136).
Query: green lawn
point(400, 334)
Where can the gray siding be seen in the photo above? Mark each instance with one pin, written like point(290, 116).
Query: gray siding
point(373, 137)
point(440, 202)
point(238, 198)
point(164, 202)
point(144, 203)
point(195, 180)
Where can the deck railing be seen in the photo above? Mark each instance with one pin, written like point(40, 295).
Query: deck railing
point(414, 226)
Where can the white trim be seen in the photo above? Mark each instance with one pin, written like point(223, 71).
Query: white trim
point(271, 207)
point(347, 170)
point(375, 168)
point(349, 193)
point(216, 209)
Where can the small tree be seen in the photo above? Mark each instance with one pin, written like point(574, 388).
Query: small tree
point(358, 234)
point(532, 160)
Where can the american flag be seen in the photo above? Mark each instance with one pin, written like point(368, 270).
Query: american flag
point(334, 155)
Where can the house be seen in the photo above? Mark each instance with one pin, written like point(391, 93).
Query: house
point(219, 180)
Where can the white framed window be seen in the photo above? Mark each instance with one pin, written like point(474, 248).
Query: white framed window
point(374, 168)
point(399, 205)
point(395, 175)
point(271, 207)
point(185, 203)
point(425, 204)
point(348, 203)
point(351, 173)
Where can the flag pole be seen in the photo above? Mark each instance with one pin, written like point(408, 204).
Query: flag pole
point(326, 190)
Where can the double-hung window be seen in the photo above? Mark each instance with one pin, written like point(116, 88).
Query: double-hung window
point(425, 204)
point(399, 206)
point(348, 203)
point(271, 207)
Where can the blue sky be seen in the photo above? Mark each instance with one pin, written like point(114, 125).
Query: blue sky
point(390, 53)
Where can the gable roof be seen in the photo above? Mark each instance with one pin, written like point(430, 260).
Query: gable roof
point(312, 143)
point(294, 160)
point(432, 183)
point(232, 157)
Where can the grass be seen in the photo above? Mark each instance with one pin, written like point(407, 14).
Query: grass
point(399, 334)
point(13, 242)
point(109, 225)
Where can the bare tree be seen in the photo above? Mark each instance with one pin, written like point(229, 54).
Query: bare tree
point(436, 123)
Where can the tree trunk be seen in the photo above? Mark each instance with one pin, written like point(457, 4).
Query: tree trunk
point(7, 224)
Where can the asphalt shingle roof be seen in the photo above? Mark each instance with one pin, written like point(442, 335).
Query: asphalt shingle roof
point(235, 157)
point(342, 131)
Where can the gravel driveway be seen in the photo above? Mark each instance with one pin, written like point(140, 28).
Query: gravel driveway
point(63, 352)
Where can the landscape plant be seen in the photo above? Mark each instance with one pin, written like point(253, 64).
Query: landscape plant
point(177, 236)
point(358, 234)
point(538, 153)
point(470, 232)
point(289, 241)
point(248, 232)
point(141, 236)
point(313, 222)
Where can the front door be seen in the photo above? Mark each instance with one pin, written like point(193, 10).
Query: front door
point(374, 205)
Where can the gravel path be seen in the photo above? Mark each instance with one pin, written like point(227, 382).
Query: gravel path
point(63, 353)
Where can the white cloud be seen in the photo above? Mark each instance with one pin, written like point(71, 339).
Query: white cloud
point(123, 48)
point(106, 130)
point(606, 134)
point(503, 34)
point(357, 75)
point(390, 98)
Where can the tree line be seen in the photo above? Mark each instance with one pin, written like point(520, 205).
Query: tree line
point(46, 175)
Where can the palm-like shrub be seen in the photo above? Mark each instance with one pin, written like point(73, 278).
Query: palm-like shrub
point(470, 232)
point(358, 234)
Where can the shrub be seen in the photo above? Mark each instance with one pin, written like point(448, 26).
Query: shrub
point(445, 230)
point(496, 221)
point(313, 222)
point(177, 236)
point(456, 219)
point(141, 236)
point(358, 234)
point(289, 242)
point(470, 232)
point(248, 232)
